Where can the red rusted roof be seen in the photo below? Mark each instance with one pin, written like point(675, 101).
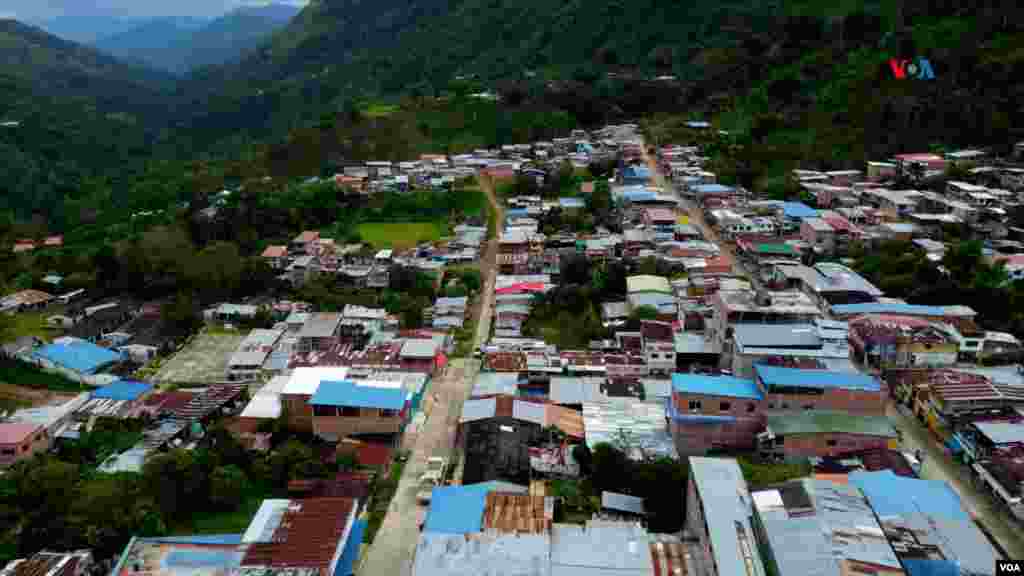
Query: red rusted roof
point(275, 251)
point(306, 537)
point(373, 454)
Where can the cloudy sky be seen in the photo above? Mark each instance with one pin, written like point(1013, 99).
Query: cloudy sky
point(44, 9)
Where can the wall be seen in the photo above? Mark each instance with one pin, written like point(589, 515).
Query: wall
point(369, 421)
point(697, 437)
point(39, 442)
point(300, 413)
point(807, 445)
point(850, 401)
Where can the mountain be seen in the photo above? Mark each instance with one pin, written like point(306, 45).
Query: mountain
point(160, 42)
point(86, 29)
point(237, 32)
point(79, 114)
point(178, 45)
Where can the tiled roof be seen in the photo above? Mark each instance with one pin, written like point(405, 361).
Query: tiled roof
point(307, 535)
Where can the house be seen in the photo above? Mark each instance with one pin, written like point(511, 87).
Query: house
point(819, 234)
point(829, 283)
point(46, 563)
point(926, 524)
point(74, 358)
point(820, 344)
point(246, 364)
point(320, 332)
point(659, 346)
point(264, 406)
point(346, 408)
point(714, 412)
point(793, 390)
point(228, 312)
point(799, 522)
point(421, 355)
point(719, 513)
point(20, 441)
point(497, 431)
point(305, 243)
point(25, 300)
point(821, 433)
point(959, 316)
point(93, 322)
point(276, 256)
point(21, 246)
point(117, 399)
point(903, 341)
point(733, 307)
point(302, 384)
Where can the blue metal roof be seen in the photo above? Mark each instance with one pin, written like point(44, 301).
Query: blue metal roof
point(639, 195)
point(346, 565)
point(888, 308)
point(80, 356)
point(926, 567)
point(636, 171)
point(777, 376)
point(798, 210)
point(711, 189)
point(715, 386)
point(892, 495)
point(122, 390)
point(456, 509)
point(349, 394)
point(571, 202)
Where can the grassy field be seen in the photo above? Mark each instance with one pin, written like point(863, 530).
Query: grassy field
point(24, 374)
point(31, 324)
point(379, 110)
point(399, 235)
point(233, 522)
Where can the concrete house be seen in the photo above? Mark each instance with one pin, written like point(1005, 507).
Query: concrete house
point(346, 408)
point(714, 412)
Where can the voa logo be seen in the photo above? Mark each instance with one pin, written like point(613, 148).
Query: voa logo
point(1009, 567)
point(917, 68)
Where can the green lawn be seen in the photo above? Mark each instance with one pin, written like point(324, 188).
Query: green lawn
point(25, 374)
point(400, 235)
point(31, 324)
point(379, 110)
point(223, 522)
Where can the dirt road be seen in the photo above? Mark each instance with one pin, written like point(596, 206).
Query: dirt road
point(694, 213)
point(393, 550)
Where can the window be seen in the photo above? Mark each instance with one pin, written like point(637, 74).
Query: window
point(25, 447)
point(388, 413)
point(319, 410)
point(350, 412)
point(7, 451)
point(771, 406)
point(751, 407)
point(694, 405)
point(785, 405)
point(831, 443)
point(808, 406)
point(724, 406)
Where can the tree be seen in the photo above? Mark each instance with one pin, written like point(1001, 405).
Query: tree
point(612, 468)
point(227, 485)
point(174, 480)
point(471, 279)
point(644, 313)
point(180, 314)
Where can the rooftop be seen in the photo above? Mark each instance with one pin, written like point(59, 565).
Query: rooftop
point(715, 386)
point(640, 424)
point(778, 376)
point(792, 302)
point(309, 533)
point(16, 432)
point(419, 348)
point(496, 554)
point(459, 509)
point(825, 421)
point(901, 309)
point(78, 355)
point(320, 325)
point(776, 336)
point(306, 380)
point(122, 390)
point(350, 394)
point(648, 283)
point(814, 526)
point(207, 555)
point(798, 210)
point(727, 505)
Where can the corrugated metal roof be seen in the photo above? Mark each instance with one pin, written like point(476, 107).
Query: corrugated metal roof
point(496, 554)
point(777, 376)
point(1001, 432)
point(727, 511)
point(78, 355)
point(479, 409)
point(306, 379)
point(601, 547)
point(419, 348)
point(899, 309)
point(716, 386)
point(648, 283)
point(529, 412)
point(126, 390)
point(350, 394)
point(840, 526)
point(641, 424)
point(310, 533)
point(458, 509)
point(622, 502)
point(777, 335)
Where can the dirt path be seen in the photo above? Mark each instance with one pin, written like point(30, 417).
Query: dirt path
point(695, 214)
point(394, 549)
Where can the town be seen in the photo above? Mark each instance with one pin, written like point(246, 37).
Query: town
point(620, 366)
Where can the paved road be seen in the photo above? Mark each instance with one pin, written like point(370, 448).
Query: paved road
point(394, 548)
point(938, 466)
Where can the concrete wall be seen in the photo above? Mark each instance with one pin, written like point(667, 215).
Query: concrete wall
point(369, 421)
point(38, 442)
point(697, 437)
point(807, 445)
point(300, 413)
point(849, 401)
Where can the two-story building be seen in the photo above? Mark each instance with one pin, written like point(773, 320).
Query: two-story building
point(714, 412)
point(733, 307)
point(659, 346)
point(351, 408)
point(793, 390)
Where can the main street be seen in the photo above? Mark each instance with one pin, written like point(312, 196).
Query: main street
point(393, 550)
